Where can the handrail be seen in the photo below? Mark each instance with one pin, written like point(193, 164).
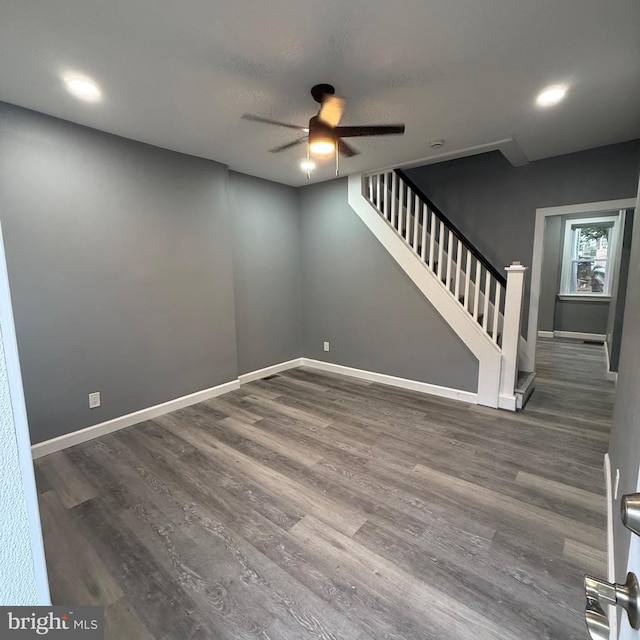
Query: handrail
point(456, 232)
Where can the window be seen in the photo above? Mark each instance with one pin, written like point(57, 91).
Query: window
point(588, 258)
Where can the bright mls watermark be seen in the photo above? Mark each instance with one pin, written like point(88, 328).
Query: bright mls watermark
point(53, 623)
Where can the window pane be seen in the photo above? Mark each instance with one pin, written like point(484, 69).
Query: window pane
point(588, 276)
point(589, 260)
point(592, 243)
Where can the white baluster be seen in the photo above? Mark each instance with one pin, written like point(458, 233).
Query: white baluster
point(378, 202)
point(425, 214)
point(496, 311)
point(416, 220)
point(487, 295)
point(432, 240)
point(408, 217)
point(467, 277)
point(458, 269)
point(401, 208)
point(385, 197)
point(440, 249)
point(370, 181)
point(476, 297)
point(449, 258)
point(394, 199)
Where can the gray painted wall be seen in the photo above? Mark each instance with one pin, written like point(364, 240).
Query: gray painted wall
point(119, 260)
point(550, 276)
point(624, 446)
point(494, 203)
point(583, 316)
point(266, 271)
point(356, 297)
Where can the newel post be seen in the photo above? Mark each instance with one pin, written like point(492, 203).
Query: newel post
point(511, 327)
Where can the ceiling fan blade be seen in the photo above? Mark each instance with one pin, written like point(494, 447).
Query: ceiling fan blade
point(331, 110)
point(289, 144)
point(250, 116)
point(346, 149)
point(370, 130)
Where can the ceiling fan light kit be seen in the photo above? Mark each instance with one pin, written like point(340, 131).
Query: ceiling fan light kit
point(323, 135)
point(321, 138)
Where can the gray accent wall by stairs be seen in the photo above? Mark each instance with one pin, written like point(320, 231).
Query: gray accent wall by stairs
point(357, 298)
point(495, 204)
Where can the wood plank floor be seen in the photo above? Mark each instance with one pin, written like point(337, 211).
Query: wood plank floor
point(310, 505)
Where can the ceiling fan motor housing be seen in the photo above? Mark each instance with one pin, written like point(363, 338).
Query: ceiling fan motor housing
point(320, 90)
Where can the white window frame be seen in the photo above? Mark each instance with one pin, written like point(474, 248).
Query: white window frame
point(570, 225)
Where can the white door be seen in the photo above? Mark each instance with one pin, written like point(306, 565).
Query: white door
point(626, 631)
point(624, 447)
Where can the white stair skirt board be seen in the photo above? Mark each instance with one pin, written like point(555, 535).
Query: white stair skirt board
point(393, 381)
point(466, 328)
point(611, 568)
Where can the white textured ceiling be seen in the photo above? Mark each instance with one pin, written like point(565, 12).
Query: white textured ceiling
point(180, 74)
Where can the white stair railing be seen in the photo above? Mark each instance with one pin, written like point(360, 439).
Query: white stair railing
point(462, 270)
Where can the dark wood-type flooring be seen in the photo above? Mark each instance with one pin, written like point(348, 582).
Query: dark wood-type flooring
point(314, 506)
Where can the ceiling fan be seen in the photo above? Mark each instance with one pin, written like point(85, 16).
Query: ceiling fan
point(323, 134)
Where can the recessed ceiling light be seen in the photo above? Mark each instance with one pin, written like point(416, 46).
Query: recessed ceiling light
point(307, 165)
point(551, 95)
point(82, 87)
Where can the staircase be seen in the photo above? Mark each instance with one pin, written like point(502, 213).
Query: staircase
point(482, 306)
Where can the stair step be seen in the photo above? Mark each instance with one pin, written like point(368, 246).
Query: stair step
point(524, 387)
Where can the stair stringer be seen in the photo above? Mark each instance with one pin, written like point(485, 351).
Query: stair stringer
point(461, 322)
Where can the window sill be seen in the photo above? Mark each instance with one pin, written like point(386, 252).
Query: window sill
point(583, 297)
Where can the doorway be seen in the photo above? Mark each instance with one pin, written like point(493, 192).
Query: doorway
point(553, 217)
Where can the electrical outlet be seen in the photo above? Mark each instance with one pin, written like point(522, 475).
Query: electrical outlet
point(326, 346)
point(94, 400)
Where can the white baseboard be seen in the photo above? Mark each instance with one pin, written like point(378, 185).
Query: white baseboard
point(577, 335)
point(383, 378)
point(95, 431)
point(610, 375)
point(269, 371)
point(611, 569)
point(510, 403)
